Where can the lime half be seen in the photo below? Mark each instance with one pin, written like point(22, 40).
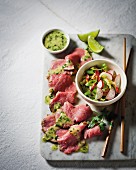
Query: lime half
point(94, 45)
point(84, 37)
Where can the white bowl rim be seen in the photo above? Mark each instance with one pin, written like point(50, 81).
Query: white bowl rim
point(55, 29)
point(102, 103)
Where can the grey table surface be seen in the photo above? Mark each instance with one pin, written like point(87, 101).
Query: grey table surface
point(22, 24)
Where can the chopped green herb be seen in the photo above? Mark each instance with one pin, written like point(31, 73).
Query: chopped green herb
point(50, 133)
point(63, 119)
point(57, 106)
point(74, 131)
point(47, 99)
point(84, 148)
point(102, 126)
point(97, 120)
point(55, 40)
point(68, 63)
point(104, 67)
point(54, 147)
point(58, 70)
point(44, 139)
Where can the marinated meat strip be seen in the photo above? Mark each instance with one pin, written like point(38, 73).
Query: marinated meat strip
point(57, 63)
point(75, 57)
point(71, 149)
point(69, 141)
point(77, 113)
point(95, 131)
point(61, 132)
point(61, 97)
point(62, 82)
point(48, 121)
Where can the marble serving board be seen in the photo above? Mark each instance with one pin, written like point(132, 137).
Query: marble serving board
point(113, 50)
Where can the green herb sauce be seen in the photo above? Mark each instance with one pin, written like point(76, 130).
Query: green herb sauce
point(55, 40)
point(56, 106)
point(51, 133)
point(74, 131)
point(84, 147)
point(58, 70)
point(63, 119)
point(54, 147)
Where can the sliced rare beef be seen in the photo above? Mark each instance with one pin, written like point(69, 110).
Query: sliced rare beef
point(71, 149)
point(78, 56)
point(75, 56)
point(63, 63)
point(61, 98)
point(59, 126)
point(95, 131)
point(61, 132)
point(77, 113)
point(48, 121)
point(57, 63)
point(62, 82)
point(69, 141)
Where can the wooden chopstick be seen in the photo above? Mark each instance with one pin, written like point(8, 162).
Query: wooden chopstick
point(104, 151)
point(105, 147)
point(124, 55)
point(123, 103)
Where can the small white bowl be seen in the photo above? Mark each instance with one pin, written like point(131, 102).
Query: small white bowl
point(58, 51)
point(111, 65)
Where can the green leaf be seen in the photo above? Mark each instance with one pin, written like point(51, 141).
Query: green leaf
point(90, 72)
point(87, 93)
point(102, 126)
point(104, 67)
point(91, 82)
point(91, 125)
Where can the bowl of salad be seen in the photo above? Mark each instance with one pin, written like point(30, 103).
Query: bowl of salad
point(55, 41)
point(101, 82)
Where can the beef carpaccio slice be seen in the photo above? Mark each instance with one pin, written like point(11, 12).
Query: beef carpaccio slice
point(48, 121)
point(77, 113)
point(69, 141)
point(95, 131)
point(62, 97)
point(62, 82)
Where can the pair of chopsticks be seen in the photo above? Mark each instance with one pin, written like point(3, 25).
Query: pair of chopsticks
point(116, 111)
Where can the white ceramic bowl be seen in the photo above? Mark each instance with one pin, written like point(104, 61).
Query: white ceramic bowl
point(111, 65)
point(58, 51)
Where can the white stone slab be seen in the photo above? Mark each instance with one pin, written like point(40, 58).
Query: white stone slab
point(113, 50)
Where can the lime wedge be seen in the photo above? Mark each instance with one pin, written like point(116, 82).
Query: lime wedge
point(94, 45)
point(84, 37)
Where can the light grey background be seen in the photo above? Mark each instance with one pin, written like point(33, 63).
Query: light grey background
point(22, 24)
